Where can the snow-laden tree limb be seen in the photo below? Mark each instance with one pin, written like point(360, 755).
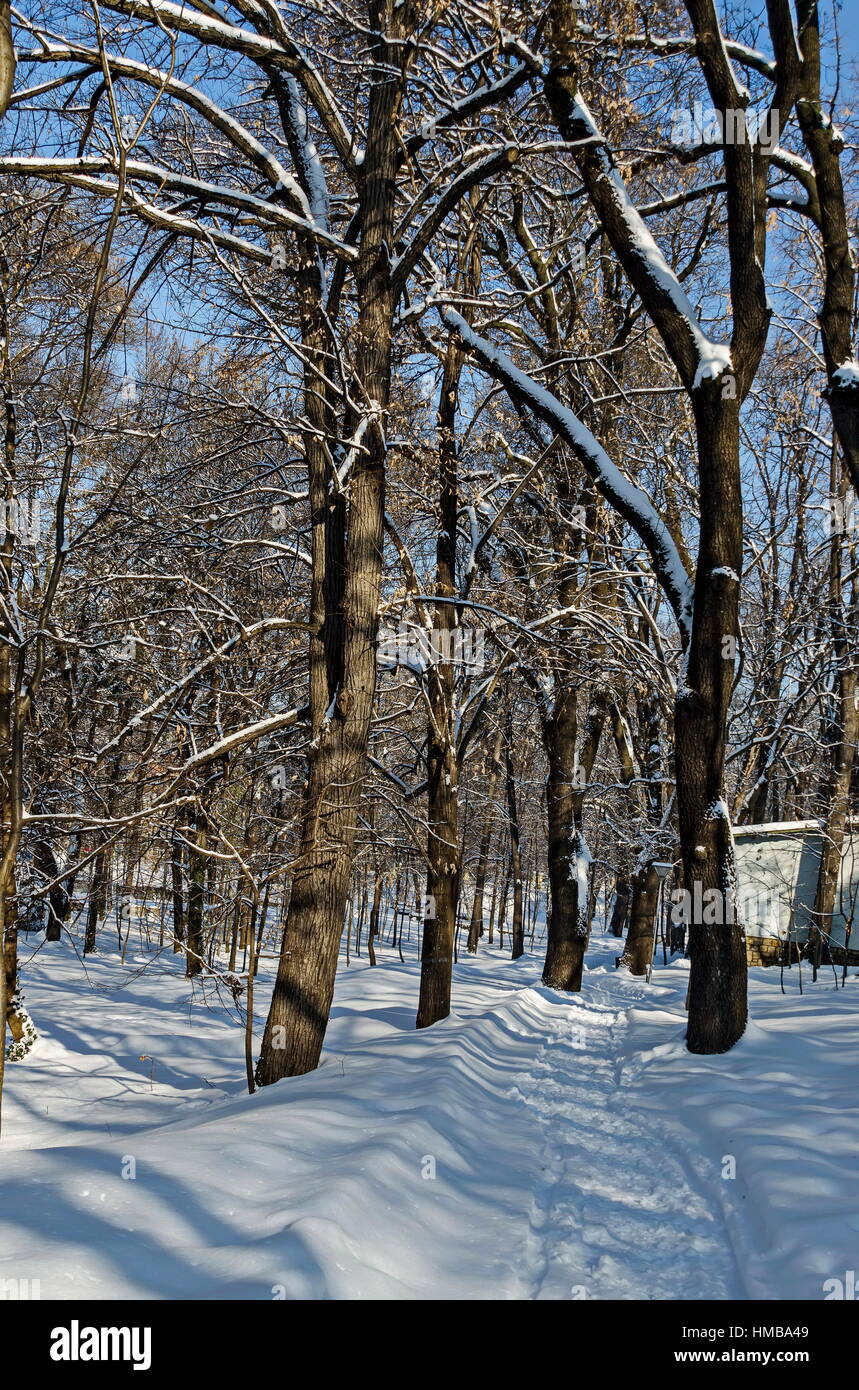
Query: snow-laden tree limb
point(239, 738)
point(82, 171)
point(281, 52)
point(696, 356)
point(629, 500)
point(459, 111)
point(192, 96)
point(169, 696)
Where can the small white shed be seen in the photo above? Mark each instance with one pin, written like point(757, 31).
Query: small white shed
point(777, 869)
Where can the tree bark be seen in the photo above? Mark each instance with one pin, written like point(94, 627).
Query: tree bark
point(620, 908)
point(517, 925)
point(569, 924)
point(194, 942)
point(827, 204)
point(718, 972)
point(304, 988)
point(844, 731)
point(373, 929)
point(7, 56)
point(177, 888)
point(718, 984)
point(443, 855)
point(96, 900)
point(638, 949)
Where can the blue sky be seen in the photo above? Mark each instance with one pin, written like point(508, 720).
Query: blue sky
point(850, 26)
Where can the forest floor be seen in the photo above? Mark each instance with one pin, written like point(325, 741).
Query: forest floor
point(533, 1145)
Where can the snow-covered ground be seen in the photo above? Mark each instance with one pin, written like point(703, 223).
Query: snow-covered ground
point(531, 1146)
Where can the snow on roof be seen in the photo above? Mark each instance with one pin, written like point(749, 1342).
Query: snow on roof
point(783, 827)
point(776, 827)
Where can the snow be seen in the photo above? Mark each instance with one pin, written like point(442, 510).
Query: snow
point(456, 111)
point(847, 374)
point(582, 862)
point(776, 827)
point(534, 1144)
point(781, 1105)
point(312, 167)
point(249, 734)
point(354, 446)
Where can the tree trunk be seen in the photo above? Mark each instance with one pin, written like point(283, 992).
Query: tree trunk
point(475, 928)
point(565, 941)
point(45, 863)
point(194, 943)
point(517, 925)
point(177, 889)
point(718, 973)
point(638, 951)
point(844, 731)
point(97, 899)
point(7, 56)
point(373, 930)
point(824, 142)
point(620, 909)
point(718, 983)
point(503, 905)
point(343, 648)
point(569, 879)
point(492, 908)
point(444, 864)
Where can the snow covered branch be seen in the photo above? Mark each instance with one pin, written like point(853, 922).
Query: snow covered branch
point(629, 500)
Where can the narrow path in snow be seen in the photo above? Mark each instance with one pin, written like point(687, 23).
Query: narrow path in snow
point(616, 1214)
